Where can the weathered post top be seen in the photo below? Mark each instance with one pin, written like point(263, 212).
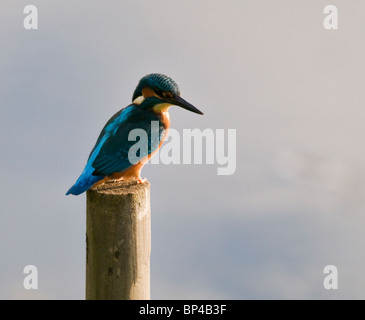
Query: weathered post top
point(118, 241)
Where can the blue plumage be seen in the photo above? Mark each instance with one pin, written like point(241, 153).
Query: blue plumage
point(110, 153)
point(157, 82)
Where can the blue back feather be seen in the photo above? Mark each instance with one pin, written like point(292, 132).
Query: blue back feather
point(110, 153)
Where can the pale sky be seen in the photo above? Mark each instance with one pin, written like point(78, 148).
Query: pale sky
point(269, 69)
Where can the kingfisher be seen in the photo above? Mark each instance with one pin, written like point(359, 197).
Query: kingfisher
point(109, 159)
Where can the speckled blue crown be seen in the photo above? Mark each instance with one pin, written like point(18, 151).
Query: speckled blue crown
point(157, 81)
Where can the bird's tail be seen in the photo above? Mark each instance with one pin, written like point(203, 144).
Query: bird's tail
point(83, 183)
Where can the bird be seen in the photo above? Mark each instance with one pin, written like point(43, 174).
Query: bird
point(109, 160)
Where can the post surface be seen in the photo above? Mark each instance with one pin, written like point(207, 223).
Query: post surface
point(118, 242)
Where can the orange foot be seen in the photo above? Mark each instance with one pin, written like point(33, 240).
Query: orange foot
point(141, 180)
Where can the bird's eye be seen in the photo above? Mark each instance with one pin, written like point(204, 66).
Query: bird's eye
point(168, 95)
point(159, 92)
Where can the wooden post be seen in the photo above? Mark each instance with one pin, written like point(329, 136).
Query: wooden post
point(118, 242)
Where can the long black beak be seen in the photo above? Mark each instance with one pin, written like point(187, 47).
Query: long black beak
point(178, 101)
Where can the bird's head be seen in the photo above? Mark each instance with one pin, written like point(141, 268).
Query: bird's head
point(158, 92)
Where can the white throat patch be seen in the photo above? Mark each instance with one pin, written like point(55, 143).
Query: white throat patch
point(139, 100)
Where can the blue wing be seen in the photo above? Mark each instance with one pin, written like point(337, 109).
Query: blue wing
point(110, 153)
